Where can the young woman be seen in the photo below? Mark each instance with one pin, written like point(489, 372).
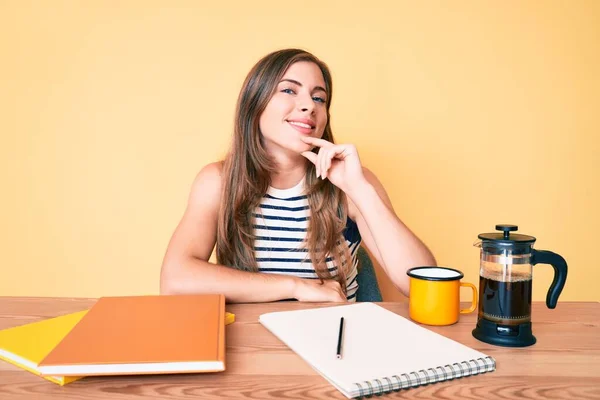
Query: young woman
point(287, 208)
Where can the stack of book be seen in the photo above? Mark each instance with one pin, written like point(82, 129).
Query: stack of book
point(128, 335)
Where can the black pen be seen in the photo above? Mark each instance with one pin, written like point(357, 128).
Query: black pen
point(341, 335)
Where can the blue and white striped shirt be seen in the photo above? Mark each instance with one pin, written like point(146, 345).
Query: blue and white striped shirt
point(280, 223)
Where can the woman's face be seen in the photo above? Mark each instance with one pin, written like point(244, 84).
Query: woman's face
point(297, 108)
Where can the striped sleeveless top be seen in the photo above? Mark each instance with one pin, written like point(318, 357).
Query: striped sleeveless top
point(280, 223)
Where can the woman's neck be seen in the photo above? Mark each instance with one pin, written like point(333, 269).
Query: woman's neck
point(288, 174)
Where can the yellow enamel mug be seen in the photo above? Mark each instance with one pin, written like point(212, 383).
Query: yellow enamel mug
point(434, 297)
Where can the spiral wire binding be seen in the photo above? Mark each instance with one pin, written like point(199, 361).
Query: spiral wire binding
point(424, 377)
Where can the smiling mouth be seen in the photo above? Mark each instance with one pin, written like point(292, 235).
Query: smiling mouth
point(300, 125)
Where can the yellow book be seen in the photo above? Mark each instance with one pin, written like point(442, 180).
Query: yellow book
point(27, 345)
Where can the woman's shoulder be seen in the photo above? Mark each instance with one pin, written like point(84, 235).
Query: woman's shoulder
point(212, 171)
point(208, 182)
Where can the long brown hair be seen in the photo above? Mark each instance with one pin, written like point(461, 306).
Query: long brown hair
point(247, 170)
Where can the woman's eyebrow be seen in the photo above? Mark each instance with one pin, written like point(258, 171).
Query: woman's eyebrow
point(295, 82)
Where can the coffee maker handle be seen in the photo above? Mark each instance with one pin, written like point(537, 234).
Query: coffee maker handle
point(560, 273)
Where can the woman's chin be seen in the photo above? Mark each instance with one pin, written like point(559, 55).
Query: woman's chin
point(297, 147)
point(303, 146)
point(291, 148)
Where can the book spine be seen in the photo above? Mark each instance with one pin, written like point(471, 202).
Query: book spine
point(424, 377)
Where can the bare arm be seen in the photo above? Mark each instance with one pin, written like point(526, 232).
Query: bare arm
point(394, 246)
point(186, 269)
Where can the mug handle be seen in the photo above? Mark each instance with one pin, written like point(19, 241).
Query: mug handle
point(473, 302)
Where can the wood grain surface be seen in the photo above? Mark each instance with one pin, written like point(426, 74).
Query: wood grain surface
point(563, 364)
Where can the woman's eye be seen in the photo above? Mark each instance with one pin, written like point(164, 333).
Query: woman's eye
point(319, 99)
point(288, 91)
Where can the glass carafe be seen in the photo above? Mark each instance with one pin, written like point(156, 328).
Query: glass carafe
point(505, 286)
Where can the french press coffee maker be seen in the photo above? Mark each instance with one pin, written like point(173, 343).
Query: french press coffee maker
point(505, 286)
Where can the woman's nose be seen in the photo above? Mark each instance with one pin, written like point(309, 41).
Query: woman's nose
point(306, 105)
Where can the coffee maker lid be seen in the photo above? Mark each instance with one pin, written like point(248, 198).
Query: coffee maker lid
point(505, 237)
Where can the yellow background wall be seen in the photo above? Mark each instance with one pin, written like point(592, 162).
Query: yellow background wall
point(471, 113)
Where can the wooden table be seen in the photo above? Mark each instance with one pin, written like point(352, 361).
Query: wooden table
point(564, 364)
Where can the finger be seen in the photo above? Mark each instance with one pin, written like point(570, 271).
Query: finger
point(340, 151)
point(320, 162)
point(316, 141)
point(324, 158)
point(330, 155)
point(333, 152)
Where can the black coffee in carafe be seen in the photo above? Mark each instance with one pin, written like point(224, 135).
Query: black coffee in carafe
point(506, 303)
point(505, 286)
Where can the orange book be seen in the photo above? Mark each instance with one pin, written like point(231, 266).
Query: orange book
point(144, 335)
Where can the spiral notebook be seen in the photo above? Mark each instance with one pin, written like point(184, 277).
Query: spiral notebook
point(382, 351)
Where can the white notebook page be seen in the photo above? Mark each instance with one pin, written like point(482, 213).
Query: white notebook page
point(377, 343)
